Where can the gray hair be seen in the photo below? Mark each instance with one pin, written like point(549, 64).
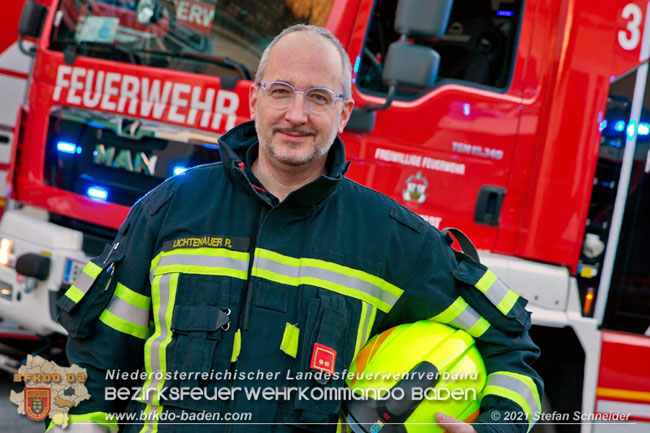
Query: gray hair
point(346, 79)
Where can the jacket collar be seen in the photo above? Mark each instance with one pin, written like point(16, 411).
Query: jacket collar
point(239, 147)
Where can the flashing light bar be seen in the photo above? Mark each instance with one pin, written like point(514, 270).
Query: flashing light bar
point(603, 125)
point(620, 125)
point(66, 147)
point(504, 13)
point(631, 130)
point(97, 193)
point(644, 128)
point(179, 170)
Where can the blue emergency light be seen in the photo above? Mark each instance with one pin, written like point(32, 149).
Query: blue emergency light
point(66, 147)
point(97, 193)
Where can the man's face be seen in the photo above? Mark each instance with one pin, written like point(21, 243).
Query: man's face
point(294, 136)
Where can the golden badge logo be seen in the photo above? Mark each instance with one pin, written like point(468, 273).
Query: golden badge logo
point(416, 187)
point(50, 390)
point(37, 403)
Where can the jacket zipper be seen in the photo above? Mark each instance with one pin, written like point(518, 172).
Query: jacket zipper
point(247, 294)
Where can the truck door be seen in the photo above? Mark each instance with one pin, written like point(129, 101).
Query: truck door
point(621, 224)
point(623, 382)
point(444, 153)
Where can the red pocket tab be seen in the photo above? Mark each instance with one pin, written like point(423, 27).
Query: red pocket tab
point(323, 358)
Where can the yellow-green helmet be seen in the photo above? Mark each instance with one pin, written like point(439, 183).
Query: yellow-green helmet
point(403, 376)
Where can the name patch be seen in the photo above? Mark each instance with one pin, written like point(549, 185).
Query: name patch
point(208, 241)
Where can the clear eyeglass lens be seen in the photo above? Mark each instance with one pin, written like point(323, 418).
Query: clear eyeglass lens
point(281, 95)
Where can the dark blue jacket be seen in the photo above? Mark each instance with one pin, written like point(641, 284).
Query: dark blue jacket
point(211, 274)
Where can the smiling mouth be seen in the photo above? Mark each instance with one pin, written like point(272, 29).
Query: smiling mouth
point(294, 133)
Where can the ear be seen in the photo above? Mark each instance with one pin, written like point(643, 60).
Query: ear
point(345, 113)
point(252, 100)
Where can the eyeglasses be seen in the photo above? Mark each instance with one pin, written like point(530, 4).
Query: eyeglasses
point(318, 100)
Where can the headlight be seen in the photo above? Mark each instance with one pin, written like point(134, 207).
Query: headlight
point(6, 247)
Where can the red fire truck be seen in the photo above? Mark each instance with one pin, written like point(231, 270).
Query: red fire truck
point(530, 131)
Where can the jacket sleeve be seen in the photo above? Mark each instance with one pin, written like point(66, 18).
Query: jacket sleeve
point(449, 287)
point(107, 313)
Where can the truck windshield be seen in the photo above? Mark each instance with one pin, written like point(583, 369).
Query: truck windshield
point(215, 37)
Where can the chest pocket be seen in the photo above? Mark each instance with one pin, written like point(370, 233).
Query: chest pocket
point(198, 329)
point(200, 326)
point(327, 347)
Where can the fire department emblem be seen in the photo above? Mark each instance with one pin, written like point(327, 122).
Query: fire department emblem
point(37, 403)
point(416, 188)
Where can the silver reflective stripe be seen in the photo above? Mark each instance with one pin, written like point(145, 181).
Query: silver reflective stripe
point(128, 312)
point(84, 427)
point(83, 282)
point(164, 294)
point(466, 319)
point(327, 275)
point(199, 260)
point(517, 386)
point(497, 291)
point(151, 415)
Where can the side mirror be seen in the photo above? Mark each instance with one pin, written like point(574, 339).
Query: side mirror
point(423, 18)
point(31, 24)
point(410, 66)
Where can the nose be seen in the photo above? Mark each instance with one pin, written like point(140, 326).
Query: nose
point(296, 113)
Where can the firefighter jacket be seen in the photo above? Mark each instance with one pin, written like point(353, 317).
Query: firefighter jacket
point(214, 287)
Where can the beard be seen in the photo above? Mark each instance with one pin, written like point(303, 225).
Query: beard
point(298, 157)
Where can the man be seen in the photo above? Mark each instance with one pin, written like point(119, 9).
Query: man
point(246, 274)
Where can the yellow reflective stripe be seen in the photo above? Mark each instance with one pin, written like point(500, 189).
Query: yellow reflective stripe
point(337, 288)
point(334, 267)
point(133, 298)
point(517, 388)
point(460, 315)
point(124, 326)
point(93, 271)
point(74, 293)
point(236, 346)
point(201, 270)
point(486, 281)
point(80, 287)
point(216, 252)
point(163, 296)
point(94, 417)
point(340, 425)
point(290, 338)
point(479, 328)
point(152, 413)
point(508, 302)
point(155, 261)
point(366, 321)
point(213, 252)
point(337, 278)
point(203, 261)
point(497, 292)
point(451, 312)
